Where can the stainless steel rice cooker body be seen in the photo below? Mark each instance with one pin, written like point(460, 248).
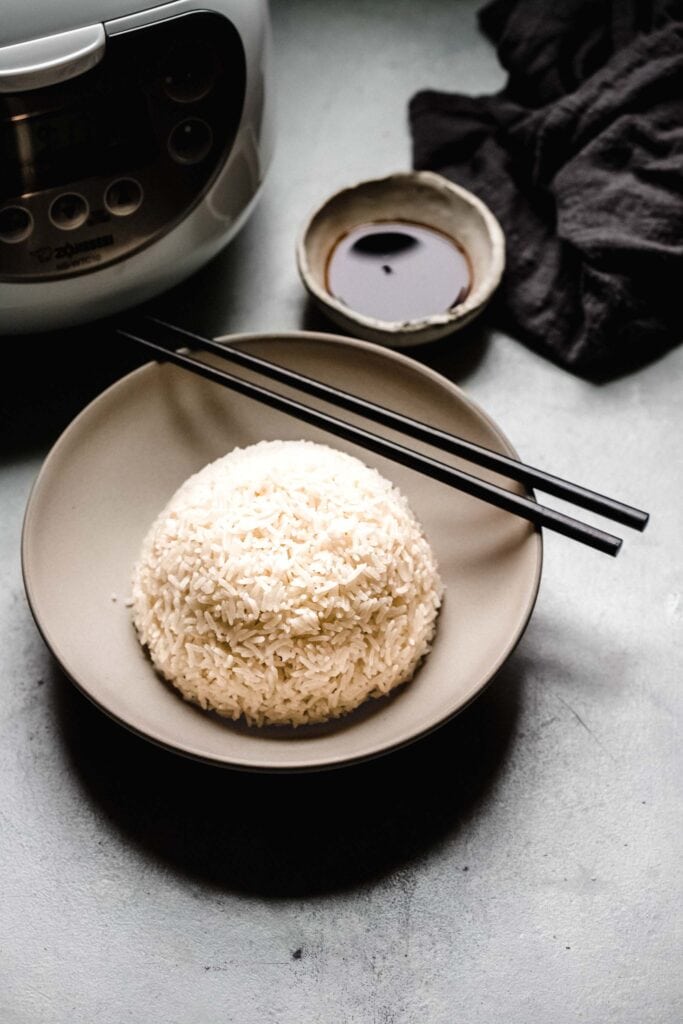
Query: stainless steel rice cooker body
point(132, 146)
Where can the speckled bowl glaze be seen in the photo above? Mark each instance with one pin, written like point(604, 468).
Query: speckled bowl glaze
point(419, 197)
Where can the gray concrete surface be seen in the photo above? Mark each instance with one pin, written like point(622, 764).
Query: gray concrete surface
point(521, 865)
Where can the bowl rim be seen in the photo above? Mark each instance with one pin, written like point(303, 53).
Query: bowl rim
point(474, 302)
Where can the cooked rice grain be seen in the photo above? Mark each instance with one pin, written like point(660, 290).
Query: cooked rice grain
point(286, 582)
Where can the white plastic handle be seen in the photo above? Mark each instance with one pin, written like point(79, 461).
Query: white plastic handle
point(51, 59)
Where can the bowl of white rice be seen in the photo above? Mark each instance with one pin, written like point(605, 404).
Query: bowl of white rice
point(240, 588)
point(286, 583)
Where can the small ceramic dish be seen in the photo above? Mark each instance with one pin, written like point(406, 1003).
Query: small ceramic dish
point(424, 200)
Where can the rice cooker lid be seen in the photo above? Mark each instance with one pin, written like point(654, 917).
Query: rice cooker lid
point(22, 21)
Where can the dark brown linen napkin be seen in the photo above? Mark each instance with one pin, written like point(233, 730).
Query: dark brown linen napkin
point(581, 159)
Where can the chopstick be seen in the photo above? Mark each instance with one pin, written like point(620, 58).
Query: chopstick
point(492, 494)
point(530, 476)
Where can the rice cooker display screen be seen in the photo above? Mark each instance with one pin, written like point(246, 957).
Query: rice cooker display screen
point(39, 151)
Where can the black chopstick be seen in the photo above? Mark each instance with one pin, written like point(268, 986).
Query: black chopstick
point(517, 504)
point(610, 508)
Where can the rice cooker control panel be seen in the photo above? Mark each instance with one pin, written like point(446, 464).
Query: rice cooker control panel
point(97, 167)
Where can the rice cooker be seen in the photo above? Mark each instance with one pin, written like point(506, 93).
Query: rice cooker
point(132, 146)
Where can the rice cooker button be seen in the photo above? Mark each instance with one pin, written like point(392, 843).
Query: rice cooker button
point(190, 73)
point(190, 141)
point(123, 197)
point(69, 211)
point(16, 224)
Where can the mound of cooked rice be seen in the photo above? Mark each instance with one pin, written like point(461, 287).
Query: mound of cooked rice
point(286, 582)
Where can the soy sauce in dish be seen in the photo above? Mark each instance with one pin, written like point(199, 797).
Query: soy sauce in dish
point(398, 271)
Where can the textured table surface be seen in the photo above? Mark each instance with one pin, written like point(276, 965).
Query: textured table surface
point(522, 864)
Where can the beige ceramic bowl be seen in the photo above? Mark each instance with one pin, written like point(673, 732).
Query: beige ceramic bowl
point(120, 461)
point(422, 198)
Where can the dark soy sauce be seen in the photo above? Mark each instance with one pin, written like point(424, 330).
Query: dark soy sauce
point(396, 271)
